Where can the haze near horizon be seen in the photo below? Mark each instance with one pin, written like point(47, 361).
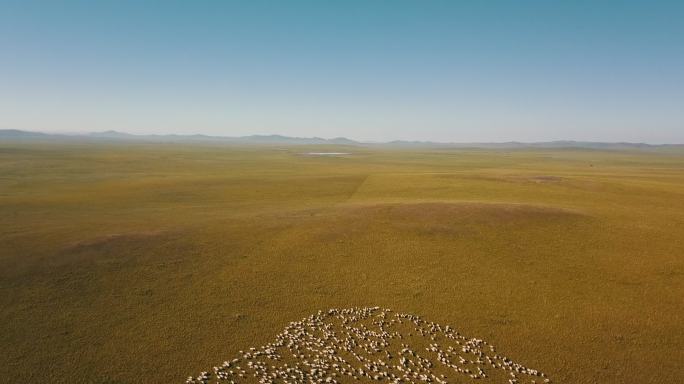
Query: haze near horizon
point(371, 71)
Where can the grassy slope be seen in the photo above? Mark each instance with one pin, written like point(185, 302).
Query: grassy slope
point(147, 263)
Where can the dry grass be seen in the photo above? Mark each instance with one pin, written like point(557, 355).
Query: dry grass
point(147, 263)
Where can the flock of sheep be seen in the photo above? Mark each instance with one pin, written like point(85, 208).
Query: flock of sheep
point(369, 344)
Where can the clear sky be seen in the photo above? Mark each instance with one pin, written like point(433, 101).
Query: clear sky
point(370, 70)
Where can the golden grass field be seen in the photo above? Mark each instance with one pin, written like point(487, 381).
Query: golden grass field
point(146, 263)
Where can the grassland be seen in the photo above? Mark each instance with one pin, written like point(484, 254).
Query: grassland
point(145, 263)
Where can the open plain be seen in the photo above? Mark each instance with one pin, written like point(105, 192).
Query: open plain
point(147, 263)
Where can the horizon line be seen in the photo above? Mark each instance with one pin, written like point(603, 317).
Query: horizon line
point(266, 135)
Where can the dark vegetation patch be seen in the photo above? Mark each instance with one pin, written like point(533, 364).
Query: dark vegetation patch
point(440, 220)
point(116, 240)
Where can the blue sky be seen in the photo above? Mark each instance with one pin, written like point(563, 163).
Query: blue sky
point(371, 70)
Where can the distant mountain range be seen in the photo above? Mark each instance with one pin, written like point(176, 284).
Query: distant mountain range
point(7, 134)
point(14, 134)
